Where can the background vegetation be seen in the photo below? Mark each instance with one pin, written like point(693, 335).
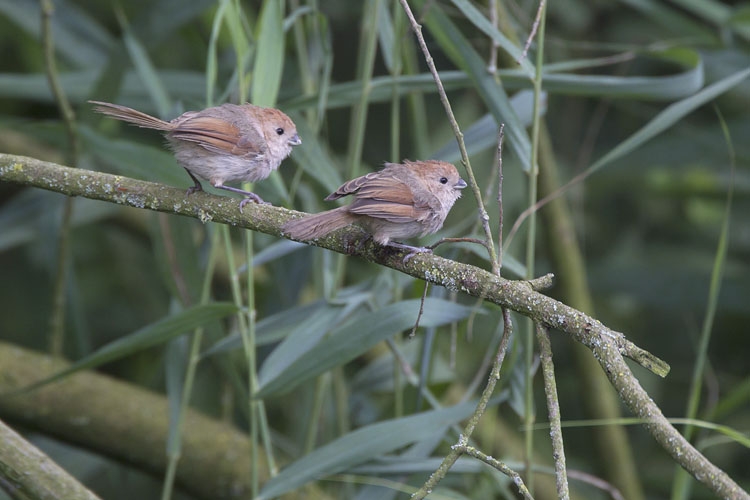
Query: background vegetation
point(665, 255)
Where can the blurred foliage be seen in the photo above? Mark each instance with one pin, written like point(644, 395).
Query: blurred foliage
point(649, 222)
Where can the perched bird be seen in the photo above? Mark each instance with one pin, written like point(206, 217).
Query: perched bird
point(403, 200)
point(221, 144)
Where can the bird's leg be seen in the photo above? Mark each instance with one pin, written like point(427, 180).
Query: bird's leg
point(412, 250)
point(196, 187)
point(249, 196)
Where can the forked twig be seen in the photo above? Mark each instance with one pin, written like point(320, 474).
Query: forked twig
point(461, 447)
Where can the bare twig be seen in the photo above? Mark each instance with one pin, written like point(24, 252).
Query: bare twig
point(497, 464)
point(421, 311)
point(500, 138)
point(534, 28)
point(484, 399)
point(457, 132)
point(57, 315)
point(597, 482)
point(457, 240)
point(492, 62)
point(553, 410)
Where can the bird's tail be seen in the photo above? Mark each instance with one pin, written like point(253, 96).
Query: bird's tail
point(318, 225)
point(130, 115)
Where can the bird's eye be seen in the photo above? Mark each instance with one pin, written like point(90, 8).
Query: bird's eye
point(280, 131)
point(443, 180)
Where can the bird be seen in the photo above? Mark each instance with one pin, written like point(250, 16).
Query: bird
point(403, 200)
point(221, 144)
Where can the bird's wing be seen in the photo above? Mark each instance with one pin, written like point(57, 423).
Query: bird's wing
point(385, 197)
point(220, 136)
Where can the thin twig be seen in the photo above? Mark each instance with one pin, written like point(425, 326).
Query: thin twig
point(457, 132)
point(597, 482)
point(553, 410)
point(497, 464)
point(534, 28)
point(492, 63)
point(463, 440)
point(533, 174)
point(458, 240)
point(540, 203)
point(57, 315)
point(421, 311)
point(481, 371)
point(500, 138)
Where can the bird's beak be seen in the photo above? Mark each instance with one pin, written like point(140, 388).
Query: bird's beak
point(295, 140)
point(460, 184)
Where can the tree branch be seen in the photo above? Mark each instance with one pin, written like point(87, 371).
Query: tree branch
point(607, 345)
point(26, 472)
point(519, 296)
point(124, 422)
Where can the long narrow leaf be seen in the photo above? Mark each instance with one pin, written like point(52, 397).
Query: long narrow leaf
point(352, 339)
point(481, 22)
point(681, 483)
point(671, 115)
point(269, 57)
point(149, 336)
point(684, 81)
point(314, 157)
point(145, 68)
point(299, 342)
point(364, 444)
point(463, 55)
point(79, 38)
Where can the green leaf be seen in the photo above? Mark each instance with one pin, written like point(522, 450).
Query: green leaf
point(23, 217)
point(481, 22)
point(145, 69)
point(269, 59)
point(355, 337)
point(669, 117)
point(377, 376)
point(270, 329)
point(78, 37)
point(176, 360)
point(299, 342)
point(148, 336)
point(463, 55)
point(314, 157)
point(386, 37)
point(482, 134)
point(681, 82)
point(135, 159)
point(364, 444)
point(159, 21)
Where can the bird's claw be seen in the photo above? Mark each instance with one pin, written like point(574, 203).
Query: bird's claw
point(416, 251)
point(254, 198)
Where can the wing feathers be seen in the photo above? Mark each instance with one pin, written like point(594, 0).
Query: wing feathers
point(217, 134)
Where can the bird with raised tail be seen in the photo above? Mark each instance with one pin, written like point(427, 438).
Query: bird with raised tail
point(226, 143)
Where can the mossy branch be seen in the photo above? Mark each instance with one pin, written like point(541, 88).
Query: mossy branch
point(519, 296)
point(122, 421)
point(608, 345)
point(26, 472)
point(116, 419)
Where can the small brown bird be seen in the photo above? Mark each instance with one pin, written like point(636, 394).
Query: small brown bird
point(221, 144)
point(403, 200)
